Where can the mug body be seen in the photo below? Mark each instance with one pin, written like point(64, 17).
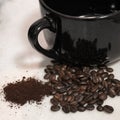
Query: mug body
point(84, 40)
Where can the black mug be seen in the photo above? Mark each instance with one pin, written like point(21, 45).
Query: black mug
point(82, 33)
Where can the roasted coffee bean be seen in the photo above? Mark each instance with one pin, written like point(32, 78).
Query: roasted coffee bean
point(63, 103)
point(94, 88)
point(110, 76)
point(102, 96)
point(104, 75)
point(92, 101)
point(58, 96)
point(95, 95)
point(93, 73)
point(108, 109)
point(109, 69)
point(52, 77)
point(99, 108)
point(81, 108)
point(90, 107)
point(66, 109)
point(105, 84)
point(100, 71)
point(54, 101)
point(95, 79)
point(73, 109)
point(74, 103)
point(111, 92)
point(86, 69)
point(50, 67)
point(70, 92)
point(99, 102)
point(70, 99)
point(47, 76)
point(55, 108)
point(79, 98)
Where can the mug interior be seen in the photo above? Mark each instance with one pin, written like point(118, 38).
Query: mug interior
point(83, 7)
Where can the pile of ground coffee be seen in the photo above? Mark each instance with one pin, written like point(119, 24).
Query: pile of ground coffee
point(26, 90)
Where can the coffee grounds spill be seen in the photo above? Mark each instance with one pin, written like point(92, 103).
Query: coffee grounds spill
point(71, 88)
point(27, 90)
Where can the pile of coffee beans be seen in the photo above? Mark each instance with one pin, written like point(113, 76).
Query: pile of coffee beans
point(80, 89)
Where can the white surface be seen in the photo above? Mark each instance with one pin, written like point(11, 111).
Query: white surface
point(17, 59)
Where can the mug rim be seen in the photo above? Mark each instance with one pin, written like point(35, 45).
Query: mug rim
point(79, 17)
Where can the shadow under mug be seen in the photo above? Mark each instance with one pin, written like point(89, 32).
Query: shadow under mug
point(79, 40)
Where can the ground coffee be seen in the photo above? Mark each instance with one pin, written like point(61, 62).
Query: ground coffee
point(27, 90)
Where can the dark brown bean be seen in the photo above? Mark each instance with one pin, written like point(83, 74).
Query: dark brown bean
point(105, 84)
point(54, 101)
point(47, 76)
point(102, 96)
point(100, 71)
point(109, 69)
point(55, 108)
point(111, 92)
point(58, 96)
point(99, 102)
point(81, 108)
point(108, 109)
point(99, 108)
point(86, 69)
point(90, 107)
point(73, 109)
point(79, 98)
point(70, 99)
point(66, 109)
point(104, 75)
point(111, 76)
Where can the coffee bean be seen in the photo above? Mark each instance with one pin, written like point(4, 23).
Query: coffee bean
point(70, 99)
point(99, 108)
point(112, 92)
point(55, 108)
point(50, 67)
point(94, 88)
point(102, 96)
point(79, 98)
point(90, 107)
point(109, 69)
point(108, 109)
point(92, 101)
point(105, 84)
point(58, 96)
point(54, 101)
point(47, 76)
point(99, 102)
point(100, 71)
point(81, 108)
point(110, 76)
point(86, 69)
point(73, 108)
point(66, 109)
point(95, 95)
point(104, 75)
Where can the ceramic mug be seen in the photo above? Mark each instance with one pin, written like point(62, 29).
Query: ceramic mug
point(82, 33)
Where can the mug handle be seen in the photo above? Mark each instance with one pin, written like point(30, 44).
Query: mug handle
point(34, 30)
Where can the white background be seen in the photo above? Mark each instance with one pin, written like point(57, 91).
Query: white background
point(18, 59)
